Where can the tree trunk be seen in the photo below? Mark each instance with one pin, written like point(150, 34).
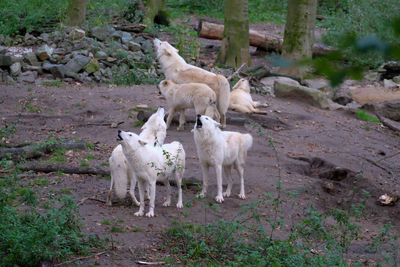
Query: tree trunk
point(235, 45)
point(156, 12)
point(266, 41)
point(76, 12)
point(299, 29)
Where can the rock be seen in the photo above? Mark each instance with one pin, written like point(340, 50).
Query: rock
point(389, 83)
point(310, 95)
point(37, 69)
point(44, 52)
point(111, 59)
point(133, 46)
point(97, 75)
point(5, 60)
point(372, 76)
point(57, 70)
point(77, 34)
point(147, 45)
point(319, 84)
point(126, 37)
point(92, 66)
point(15, 69)
point(102, 32)
point(388, 109)
point(396, 79)
point(29, 39)
point(44, 37)
point(342, 95)
point(390, 69)
point(268, 84)
point(28, 76)
point(77, 63)
point(31, 58)
point(3, 50)
point(101, 55)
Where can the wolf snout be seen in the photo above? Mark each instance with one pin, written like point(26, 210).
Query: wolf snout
point(119, 136)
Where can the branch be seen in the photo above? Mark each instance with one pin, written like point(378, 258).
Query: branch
point(80, 258)
point(236, 72)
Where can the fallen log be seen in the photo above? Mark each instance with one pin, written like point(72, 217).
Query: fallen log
point(131, 27)
point(38, 150)
point(144, 115)
point(48, 167)
point(393, 125)
point(265, 41)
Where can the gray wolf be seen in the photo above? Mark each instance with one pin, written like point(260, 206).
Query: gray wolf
point(241, 100)
point(188, 95)
point(152, 163)
point(175, 68)
point(216, 148)
point(154, 131)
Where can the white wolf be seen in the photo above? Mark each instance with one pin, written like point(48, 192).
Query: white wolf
point(175, 68)
point(154, 131)
point(188, 95)
point(151, 164)
point(218, 149)
point(241, 99)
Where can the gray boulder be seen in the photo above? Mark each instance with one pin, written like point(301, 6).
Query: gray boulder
point(133, 46)
point(77, 63)
point(101, 55)
point(396, 79)
point(102, 32)
point(388, 109)
point(44, 52)
point(268, 84)
point(57, 70)
point(31, 58)
point(5, 61)
point(309, 95)
point(389, 83)
point(28, 76)
point(3, 50)
point(15, 69)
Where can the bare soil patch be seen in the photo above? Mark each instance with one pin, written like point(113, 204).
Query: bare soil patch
point(315, 143)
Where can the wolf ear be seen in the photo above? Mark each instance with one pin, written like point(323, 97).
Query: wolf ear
point(217, 124)
point(143, 143)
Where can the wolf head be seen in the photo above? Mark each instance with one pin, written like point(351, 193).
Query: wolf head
point(206, 123)
point(156, 125)
point(164, 85)
point(130, 140)
point(243, 85)
point(164, 48)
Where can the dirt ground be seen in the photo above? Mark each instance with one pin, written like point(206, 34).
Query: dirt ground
point(85, 112)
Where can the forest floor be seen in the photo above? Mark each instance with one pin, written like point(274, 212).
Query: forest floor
point(86, 111)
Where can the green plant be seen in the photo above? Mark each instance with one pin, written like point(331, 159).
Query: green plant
point(55, 83)
point(90, 145)
point(84, 164)
point(117, 229)
point(90, 156)
point(364, 116)
point(7, 132)
point(139, 123)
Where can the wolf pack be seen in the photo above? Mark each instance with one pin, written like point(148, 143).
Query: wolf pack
point(143, 159)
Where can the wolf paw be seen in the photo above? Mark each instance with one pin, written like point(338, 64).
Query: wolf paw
point(179, 205)
point(201, 195)
point(150, 214)
point(167, 203)
point(226, 194)
point(180, 128)
point(242, 196)
point(139, 213)
point(219, 199)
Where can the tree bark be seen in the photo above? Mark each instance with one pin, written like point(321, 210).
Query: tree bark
point(265, 41)
point(156, 12)
point(235, 44)
point(299, 29)
point(76, 12)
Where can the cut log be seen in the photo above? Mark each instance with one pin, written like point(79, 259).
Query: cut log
point(265, 41)
point(48, 167)
point(393, 125)
point(144, 115)
point(35, 151)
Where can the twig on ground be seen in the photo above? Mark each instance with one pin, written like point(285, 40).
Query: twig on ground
point(80, 258)
point(90, 198)
point(150, 262)
point(236, 72)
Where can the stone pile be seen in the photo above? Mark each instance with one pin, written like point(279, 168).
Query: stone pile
point(72, 54)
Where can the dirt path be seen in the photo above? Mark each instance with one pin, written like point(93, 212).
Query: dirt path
point(86, 112)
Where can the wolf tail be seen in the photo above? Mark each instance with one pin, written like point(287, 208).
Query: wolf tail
point(248, 141)
point(119, 172)
point(213, 112)
point(224, 94)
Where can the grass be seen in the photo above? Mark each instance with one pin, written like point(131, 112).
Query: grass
point(55, 83)
point(364, 116)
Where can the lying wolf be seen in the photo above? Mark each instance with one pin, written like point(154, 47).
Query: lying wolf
point(218, 149)
point(175, 68)
point(188, 95)
point(154, 131)
point(241, 100)
point(152, 163)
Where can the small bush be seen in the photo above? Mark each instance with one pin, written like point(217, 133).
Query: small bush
point(364, 116)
